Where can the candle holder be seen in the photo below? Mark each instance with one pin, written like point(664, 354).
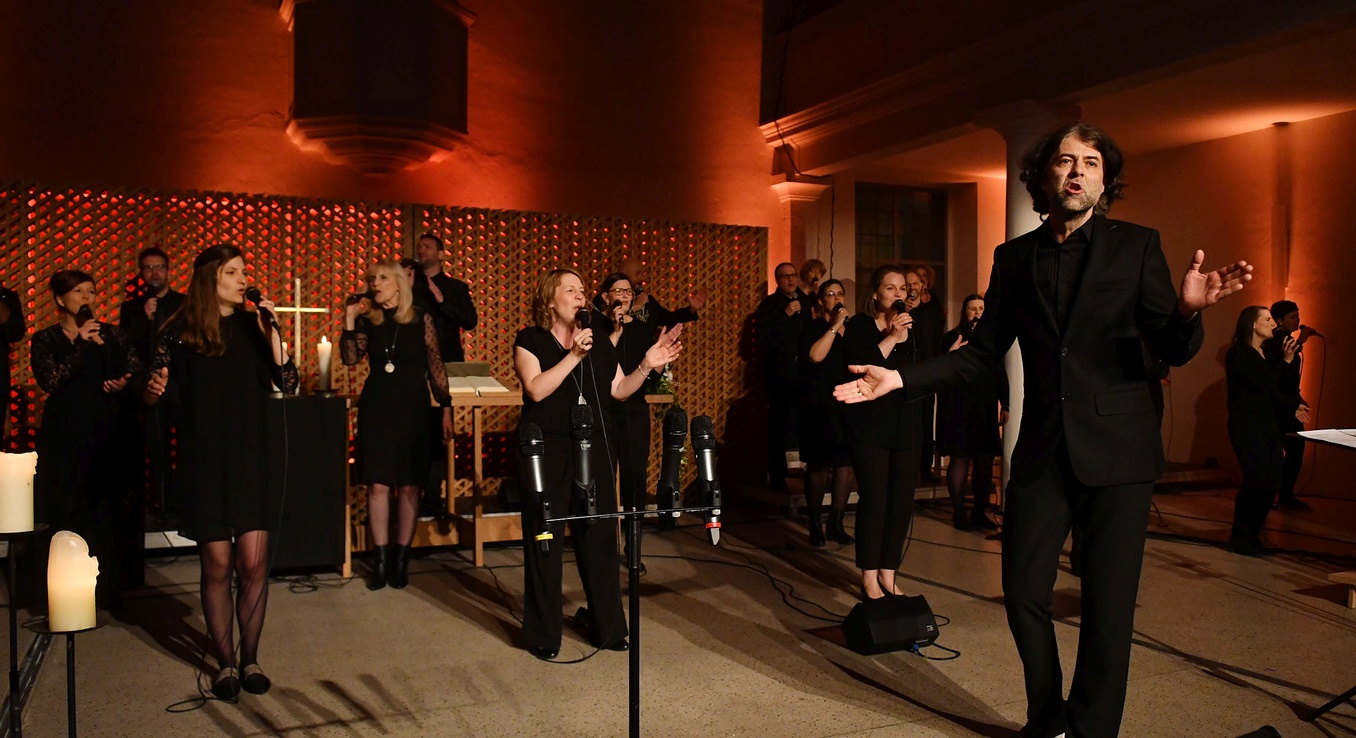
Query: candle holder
point(40, 626)
point(15, 709)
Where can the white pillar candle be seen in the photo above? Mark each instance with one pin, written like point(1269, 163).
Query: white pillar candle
point(71, 576)
point(322, 350)
point(16, 491)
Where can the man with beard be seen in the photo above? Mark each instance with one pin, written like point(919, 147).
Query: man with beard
point(150, 303)
point(1078, 294)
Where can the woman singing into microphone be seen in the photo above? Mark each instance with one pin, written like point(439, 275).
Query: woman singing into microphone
point(823, 436)
point(560, 366)
point(883, 444)
point(401, 346)
point(631, 338)
point(82, 476)
point(220, 360)
point(967, 427)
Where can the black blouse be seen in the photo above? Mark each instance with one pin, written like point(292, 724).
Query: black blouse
point(359, 342)
point(591, 379)
point(889, 421)
point(818, 379)
point(1263, 393)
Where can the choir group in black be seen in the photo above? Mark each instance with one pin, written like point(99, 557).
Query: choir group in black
point(199, 367)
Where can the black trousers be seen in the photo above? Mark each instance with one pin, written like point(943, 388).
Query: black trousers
point(781, 422)
point(1261, 465)
point(632, 421)
point(885, 485)
point(1294, 460)
point(595, 552)
point(1037, 520)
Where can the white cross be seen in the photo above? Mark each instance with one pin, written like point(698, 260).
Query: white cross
point(298, 309)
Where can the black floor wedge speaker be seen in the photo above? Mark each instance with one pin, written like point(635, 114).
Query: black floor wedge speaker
point(890, 624)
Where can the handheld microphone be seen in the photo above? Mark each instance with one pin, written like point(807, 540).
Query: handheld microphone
point(354, 299)
point(900, 307)
point(704, 446)
point(253, 295)
point(533, 449)
point(675, 435)
point(839, 309)
point(581, 432)
point(581, 317)
point(83, 316)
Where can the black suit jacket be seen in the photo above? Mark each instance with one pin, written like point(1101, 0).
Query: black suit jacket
point(1087, 382)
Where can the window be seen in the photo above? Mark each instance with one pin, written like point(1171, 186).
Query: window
point(900, 225)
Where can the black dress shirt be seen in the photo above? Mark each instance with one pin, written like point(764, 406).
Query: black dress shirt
point(1059, 268)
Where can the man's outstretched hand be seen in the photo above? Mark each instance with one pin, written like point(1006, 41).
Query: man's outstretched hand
point(1200, 289)
point(874, 382)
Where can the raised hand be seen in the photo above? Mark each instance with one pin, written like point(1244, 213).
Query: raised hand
point(151, 304)
point(660, 354)
point(960, 341)
point(1200, 289)
point(259, 314)
point(899, 327)
point(875, 382)
point(697, 300)
point(90, 332)
point(792, 308)
point(582, 343)
point(1289, 347)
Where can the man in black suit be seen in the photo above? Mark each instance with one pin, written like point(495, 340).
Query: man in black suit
point(779, 321)
point(1078, 294)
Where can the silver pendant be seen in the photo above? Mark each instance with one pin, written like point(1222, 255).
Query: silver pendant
point(390, 367)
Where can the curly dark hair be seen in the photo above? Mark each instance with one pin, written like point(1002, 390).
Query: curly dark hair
point(1037, 160)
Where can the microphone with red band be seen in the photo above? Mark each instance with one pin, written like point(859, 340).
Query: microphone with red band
point(533, 448)
point(704, 446)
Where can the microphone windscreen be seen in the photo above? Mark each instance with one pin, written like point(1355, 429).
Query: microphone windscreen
point(899, 307)
point(83, 315)
point(703, 433)
point(253, 295)
point(675, 422)
point(581, 423)
point(581, 318)
point(530, 440)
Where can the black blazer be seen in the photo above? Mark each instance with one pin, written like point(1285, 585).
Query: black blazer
point(1090, 377)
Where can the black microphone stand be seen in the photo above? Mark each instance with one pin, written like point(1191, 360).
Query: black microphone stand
point(632, 519)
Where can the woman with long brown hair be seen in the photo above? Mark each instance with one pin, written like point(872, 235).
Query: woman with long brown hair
point(401, 345)
point(220, 360)
point(560, 367)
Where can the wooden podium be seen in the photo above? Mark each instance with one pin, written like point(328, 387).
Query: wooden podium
point(476, 527)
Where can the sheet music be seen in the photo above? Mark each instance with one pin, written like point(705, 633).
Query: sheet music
point(1337, 436)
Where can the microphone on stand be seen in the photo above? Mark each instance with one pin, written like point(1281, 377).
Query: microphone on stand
point(1312, 332)
point(533, 449)
point(253, 295)
point(675, 435)
point(704, 446)
point(581, 431)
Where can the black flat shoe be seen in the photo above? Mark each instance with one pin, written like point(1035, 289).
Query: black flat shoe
point(254, 681)
point(621, 645)
point(399, 567)
point(544, 653)
point(227, 684)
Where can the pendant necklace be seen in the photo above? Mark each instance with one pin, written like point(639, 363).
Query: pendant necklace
point(390, 364)
point(578, 385)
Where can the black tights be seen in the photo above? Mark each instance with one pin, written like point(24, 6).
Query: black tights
point(817, 480)
point(248, 557)
point(957, 473)
point(379, 513)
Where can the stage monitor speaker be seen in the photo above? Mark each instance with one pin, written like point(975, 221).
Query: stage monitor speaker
point(308, 449)
point(890, 624)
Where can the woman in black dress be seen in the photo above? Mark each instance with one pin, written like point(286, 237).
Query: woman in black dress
point(560, 366)
point(82, 475)
point(819, 417)
point(967, 428)
point(884, 443)
point(1261, 401)
point(401, 346)
point(219, 360)
point(631, 417)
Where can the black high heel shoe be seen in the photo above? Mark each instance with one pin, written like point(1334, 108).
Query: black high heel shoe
point(866, 597)
point(381, 567)
point(400, 562)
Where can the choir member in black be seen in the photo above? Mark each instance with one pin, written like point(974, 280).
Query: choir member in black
point(779, 321)
point(1262, 400)
point(810, 273)
point(150, 306)
point(448, 301)
point(967, 428)
point(631, 417)
point(401, 346)
point(12, 330)
point(1287, 316)
point(648, 310)
point(929, 322)
point(884, 436)
point(220, 360)
point(560, 365)
point(823, 436)
point(82, 477)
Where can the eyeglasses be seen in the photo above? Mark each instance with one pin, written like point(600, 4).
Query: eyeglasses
point(623, 291)
point(155, 268)
point(787, 275)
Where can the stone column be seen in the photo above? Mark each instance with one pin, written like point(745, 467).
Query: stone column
point(798, 195)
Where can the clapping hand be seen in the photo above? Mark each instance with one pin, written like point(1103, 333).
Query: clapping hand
point(1200, 289)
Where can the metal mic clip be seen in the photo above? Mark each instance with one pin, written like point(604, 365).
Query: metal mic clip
point(544, 538)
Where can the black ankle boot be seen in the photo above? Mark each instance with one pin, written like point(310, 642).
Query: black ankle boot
point(816, 531)
point(400, 560)
point(836, 532)
point(381, 566)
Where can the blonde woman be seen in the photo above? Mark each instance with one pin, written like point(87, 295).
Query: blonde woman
point(392, 445)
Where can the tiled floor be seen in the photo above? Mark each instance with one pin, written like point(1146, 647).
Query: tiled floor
point(1224, 645)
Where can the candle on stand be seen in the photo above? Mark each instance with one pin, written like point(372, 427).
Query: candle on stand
point(322, 350)
point(71, 576)
point(16, 491)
